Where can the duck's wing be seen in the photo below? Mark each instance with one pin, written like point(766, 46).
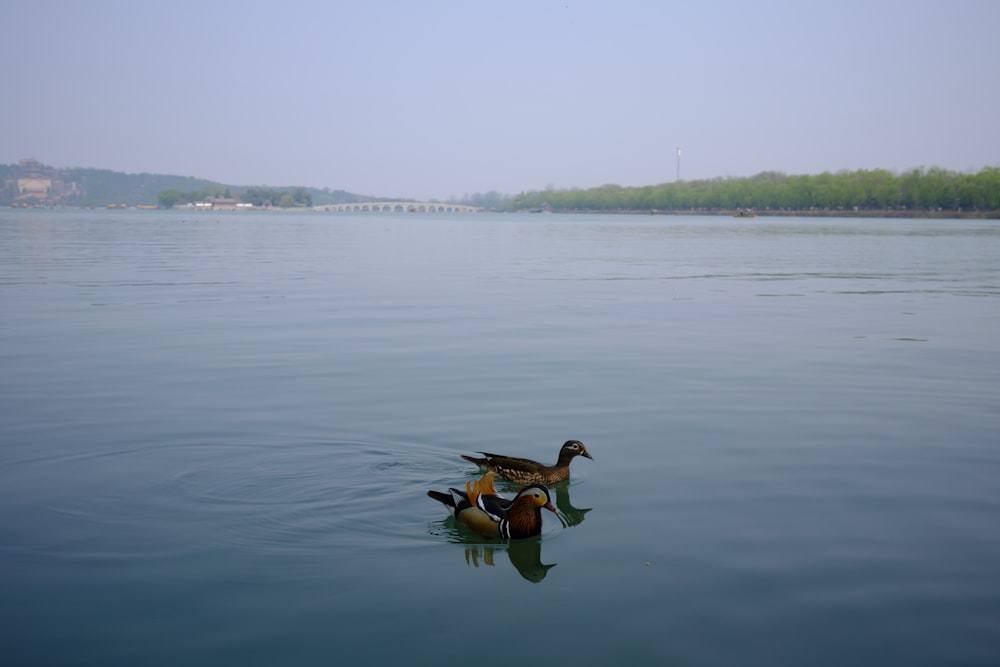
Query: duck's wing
point(482, 494)
point(511, 462)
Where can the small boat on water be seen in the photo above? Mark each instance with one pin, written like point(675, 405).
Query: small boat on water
point(744, 213)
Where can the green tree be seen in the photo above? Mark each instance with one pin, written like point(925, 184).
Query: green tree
point(301, 197)
point(169, 198)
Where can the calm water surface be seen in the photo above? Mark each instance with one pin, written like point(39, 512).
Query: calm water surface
point(217, 433)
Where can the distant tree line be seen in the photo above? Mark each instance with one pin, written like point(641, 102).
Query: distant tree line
point(262, 196)
point(173, 196)
point(916, 190)
point(258, 196)
point(908, 193)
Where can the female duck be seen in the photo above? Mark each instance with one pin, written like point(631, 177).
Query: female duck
point(526, 471)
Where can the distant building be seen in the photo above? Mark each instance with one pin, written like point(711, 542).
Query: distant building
point(31, 168)
point(33, 188)
point(34, 183)
point(223, 203)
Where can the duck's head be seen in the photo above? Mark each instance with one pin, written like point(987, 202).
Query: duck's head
point(537, 495)
point(573, 448)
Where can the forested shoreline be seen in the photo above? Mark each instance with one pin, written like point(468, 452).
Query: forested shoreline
point(918, 192)
point(922, 192)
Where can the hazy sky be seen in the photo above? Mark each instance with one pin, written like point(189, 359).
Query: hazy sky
point(431, 99)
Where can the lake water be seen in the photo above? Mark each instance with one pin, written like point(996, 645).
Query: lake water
point(218, 431)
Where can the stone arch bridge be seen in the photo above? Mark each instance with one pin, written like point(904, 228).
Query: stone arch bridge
point(396, 207)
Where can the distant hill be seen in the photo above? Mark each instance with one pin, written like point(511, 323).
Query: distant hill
point(31, 182)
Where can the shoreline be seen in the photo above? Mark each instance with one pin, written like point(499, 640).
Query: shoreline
point(791, 213)
point(746, 213)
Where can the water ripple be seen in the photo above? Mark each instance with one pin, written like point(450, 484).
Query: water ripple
point(288, 499)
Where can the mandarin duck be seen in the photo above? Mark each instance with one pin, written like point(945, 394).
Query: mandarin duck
point(526, 471)
point(484, 511)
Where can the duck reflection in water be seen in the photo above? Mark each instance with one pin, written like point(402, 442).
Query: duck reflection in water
point(569, 515)
point(525, 555)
